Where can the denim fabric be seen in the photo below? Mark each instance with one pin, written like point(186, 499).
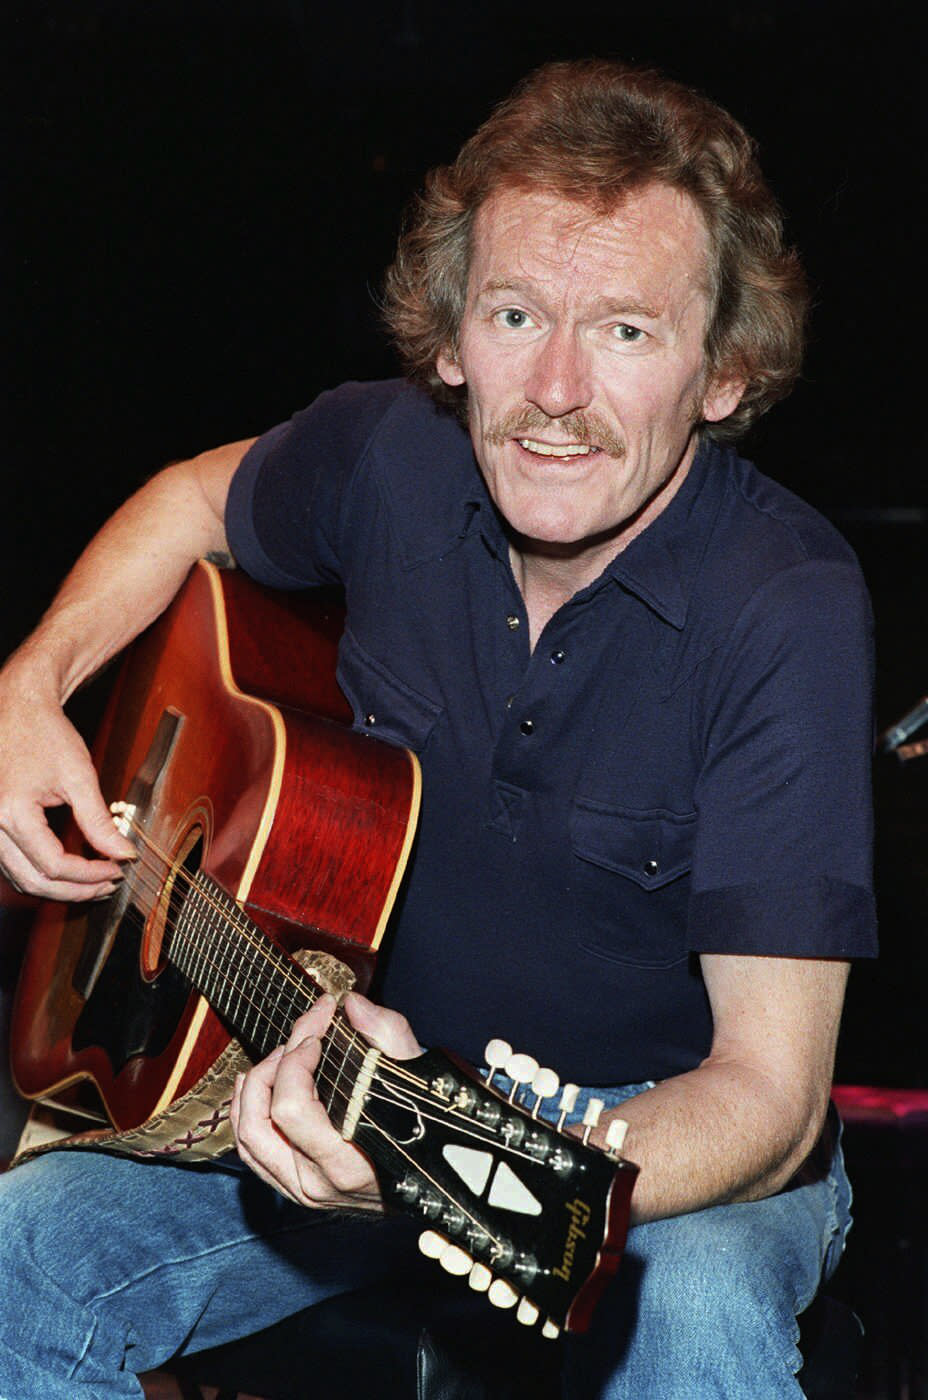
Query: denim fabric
point(110, 1266)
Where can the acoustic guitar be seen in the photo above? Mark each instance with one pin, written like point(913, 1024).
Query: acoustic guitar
point(266, 826)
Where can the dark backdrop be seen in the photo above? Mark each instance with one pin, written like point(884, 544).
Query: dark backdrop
point(204, 196)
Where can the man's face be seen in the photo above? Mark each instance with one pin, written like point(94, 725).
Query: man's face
point(581, 346)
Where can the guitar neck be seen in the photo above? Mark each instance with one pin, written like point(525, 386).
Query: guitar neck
point(256, 987)
point(542, 1215)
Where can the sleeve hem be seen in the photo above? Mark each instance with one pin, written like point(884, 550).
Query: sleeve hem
point(824, 918)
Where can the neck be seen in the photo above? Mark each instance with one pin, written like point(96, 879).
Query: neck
point(550, 574)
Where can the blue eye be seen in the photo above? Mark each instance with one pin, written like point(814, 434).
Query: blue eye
point(513, 318)
point(627, 334)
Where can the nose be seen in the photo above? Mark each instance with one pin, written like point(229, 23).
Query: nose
point(559, 379)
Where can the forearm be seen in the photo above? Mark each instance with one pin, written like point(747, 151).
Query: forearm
point(123, 580)
point(128, 574)
point(739, 1125)
point(719, 1133)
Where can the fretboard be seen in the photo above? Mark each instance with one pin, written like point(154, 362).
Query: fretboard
point(253, 985)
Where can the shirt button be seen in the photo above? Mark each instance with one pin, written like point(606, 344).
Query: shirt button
point(651, 867)
point(557, 657)
point(370, 720)
point(526, 727)
point(512, 622)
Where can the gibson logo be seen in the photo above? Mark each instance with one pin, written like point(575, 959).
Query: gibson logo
point(579, 1213)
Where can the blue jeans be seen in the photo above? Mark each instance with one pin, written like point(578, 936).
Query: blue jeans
point(109, 1266)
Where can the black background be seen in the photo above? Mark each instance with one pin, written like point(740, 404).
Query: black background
point(203, 197)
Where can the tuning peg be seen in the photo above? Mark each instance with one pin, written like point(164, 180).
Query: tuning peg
point(497, 1053)
point(521, 1070)
point(545, 1085)
point(568, 1102)
point(455, 1260)
point(527, 1313)
point(550, 1330)
point(615, 1136)
point(502, 1294)
point(480, 1278)
point(591, 1116)
point(432, 1244)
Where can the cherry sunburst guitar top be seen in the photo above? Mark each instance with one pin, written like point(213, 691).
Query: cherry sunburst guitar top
point(265, 825)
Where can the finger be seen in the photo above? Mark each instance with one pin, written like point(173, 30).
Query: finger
point(259, 1143)
point(386, 1029)
point(64, 876)
point(314, 1023)
point(268, 1150)
point(303, 1120)
point(96, 822)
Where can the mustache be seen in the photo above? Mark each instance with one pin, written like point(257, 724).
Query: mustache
point(587, 428)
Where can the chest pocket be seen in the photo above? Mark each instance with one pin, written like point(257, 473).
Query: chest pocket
point(381, 703)
point(629, 865)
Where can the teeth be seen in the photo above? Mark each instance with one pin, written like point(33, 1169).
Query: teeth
point(547, 449)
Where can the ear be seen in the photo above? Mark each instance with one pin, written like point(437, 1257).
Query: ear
point(448, 368)
point(721, 398)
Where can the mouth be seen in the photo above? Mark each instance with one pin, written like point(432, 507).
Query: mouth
point(565, 451)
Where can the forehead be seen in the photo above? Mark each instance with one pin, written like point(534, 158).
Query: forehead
point(654, 240)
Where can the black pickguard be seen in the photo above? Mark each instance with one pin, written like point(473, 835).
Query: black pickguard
point(126, 1015)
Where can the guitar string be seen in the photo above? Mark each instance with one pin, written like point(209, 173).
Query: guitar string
point(423, 1105)
point(232, 915)
point(478, 1132)
point(339, 1027)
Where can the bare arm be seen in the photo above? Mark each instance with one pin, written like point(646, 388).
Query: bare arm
point(738, 1126)
point(127, 576)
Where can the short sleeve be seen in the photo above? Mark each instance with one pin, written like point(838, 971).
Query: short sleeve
point(782, 863)
point(286, 507)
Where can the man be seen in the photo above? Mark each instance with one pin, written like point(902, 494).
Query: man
point(636, 674)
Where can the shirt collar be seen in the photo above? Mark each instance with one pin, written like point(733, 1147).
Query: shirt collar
point(659, 566)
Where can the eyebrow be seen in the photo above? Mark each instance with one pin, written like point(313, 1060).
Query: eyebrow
point(604, 306)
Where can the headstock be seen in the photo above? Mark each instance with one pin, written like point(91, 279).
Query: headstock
point(534, 1217)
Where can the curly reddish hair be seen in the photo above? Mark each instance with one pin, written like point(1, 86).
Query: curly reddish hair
point(593, 131)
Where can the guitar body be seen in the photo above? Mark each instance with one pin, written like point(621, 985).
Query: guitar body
point(228, 733)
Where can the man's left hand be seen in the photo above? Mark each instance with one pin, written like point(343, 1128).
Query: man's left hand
point(282, 1130)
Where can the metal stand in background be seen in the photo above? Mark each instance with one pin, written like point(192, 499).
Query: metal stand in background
point(896, 738)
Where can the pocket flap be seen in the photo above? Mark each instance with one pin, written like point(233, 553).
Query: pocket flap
point(651, 848)
point(381, 703)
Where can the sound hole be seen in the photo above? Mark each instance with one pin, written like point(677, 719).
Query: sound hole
point(165, 917)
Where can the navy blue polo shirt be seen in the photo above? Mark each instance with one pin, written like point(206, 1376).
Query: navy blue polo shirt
point(680, 767)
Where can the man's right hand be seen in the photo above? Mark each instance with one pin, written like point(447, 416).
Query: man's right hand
point(44, 763)
point(124, 579)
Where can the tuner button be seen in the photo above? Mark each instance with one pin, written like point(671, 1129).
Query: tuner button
point(545, 1083)
point(569, 1098)
point(521, 1068)
point(527, 1313)
point(502, 1294)
point(591, 1115)
point(497, 1053)
point(550, 1330)
point(615, 1135)
point(455, 1260)
point(592, 1112)
point(432, 1244)
point(480, 1278)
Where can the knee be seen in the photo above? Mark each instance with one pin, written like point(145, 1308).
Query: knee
point(698, 1307)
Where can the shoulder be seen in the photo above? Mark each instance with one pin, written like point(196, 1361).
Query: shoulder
point(375, 416)
point(768, 543)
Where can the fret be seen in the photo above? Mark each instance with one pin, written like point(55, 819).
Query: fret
point(241, 972)
point(335, 1087)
